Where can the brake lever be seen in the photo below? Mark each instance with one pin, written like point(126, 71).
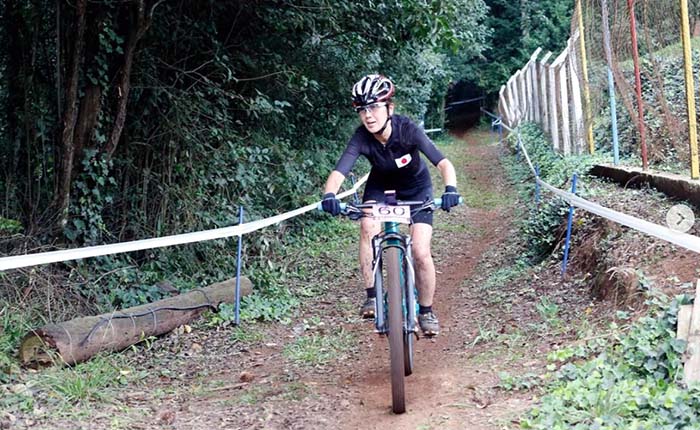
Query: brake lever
point(355, 216)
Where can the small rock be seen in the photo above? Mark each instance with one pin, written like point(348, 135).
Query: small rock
point(20, 389)
point(167, 417)
point(246, 376)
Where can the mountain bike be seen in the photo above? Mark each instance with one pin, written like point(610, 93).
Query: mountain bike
point(396, 313)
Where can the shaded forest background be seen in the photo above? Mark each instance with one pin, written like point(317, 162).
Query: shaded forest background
point(124, 120)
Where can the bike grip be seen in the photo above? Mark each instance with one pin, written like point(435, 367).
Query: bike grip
point(319, 207)
point(438, 201)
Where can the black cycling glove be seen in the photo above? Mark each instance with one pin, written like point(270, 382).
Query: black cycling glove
point(330, 204)
point(450, 198)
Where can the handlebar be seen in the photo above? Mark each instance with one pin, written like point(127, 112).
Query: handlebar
point(347, 208)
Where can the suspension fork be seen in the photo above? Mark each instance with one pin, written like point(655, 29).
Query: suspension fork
point(379, 317)
point(410, 287)
point(390, 237)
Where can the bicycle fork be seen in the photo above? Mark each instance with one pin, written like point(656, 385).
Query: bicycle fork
point(379, 243)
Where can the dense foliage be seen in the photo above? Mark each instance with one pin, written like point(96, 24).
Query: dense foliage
point(631, 383)
point(542, 228)
point(132, 119)
point(516, 30)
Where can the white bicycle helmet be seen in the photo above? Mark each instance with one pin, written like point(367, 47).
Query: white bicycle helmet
point(372, 89)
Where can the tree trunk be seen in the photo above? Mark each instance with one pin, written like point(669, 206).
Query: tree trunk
point(524, 20)
point(79, 339)
point(90, 107)
point(65, 172)
point(137, 32)
point(14, 93)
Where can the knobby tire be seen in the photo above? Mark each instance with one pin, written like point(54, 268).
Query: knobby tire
point(409, 338)
point(408, 353)
point(396, 332)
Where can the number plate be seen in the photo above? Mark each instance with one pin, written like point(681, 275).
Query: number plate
point(386, 213)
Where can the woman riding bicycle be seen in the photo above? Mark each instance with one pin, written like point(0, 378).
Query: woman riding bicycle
point(392, 144)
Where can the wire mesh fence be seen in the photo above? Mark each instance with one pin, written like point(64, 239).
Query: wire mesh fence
point(619, 86)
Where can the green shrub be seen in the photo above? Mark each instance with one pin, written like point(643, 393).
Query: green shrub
point(542, 228)
point(9, 226)
point(13, 326)
point(633, 383)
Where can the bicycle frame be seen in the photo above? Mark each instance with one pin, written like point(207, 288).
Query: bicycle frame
point(391, 237)
point(395, 308)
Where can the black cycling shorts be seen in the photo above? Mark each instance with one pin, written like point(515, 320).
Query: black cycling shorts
point(376, 193)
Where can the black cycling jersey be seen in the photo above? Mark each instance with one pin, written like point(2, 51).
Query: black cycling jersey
point(397, 165)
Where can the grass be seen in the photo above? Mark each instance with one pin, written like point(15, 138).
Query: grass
point(59, 390)
point(312, 265)
point(485, 335)
point(482, 199)
point(295, 391)
point(246, 335)
point(548, 311)
point(318, 349)
point(86, 382)
point(253, 395)
point(14, 324)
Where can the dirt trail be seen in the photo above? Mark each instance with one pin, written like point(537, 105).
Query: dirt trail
point(324, 368)
point(213, 379)
point(454, 382)
point(448, 390)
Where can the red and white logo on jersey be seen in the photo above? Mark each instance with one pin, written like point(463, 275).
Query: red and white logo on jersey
point(403, 160)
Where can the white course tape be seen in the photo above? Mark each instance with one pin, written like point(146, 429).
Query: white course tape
point(27, 260)
point(685, 240)
point(527, 157)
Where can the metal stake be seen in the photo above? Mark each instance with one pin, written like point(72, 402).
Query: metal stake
point(568, 228)
point(237, 315)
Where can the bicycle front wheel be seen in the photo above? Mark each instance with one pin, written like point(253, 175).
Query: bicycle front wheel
point(408, 284)
point(396, 333)
point(408, 353)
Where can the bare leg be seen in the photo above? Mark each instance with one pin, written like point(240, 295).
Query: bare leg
point(425, 268)
point(368, 229)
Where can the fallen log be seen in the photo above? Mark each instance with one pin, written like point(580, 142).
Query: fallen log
point(79, 339)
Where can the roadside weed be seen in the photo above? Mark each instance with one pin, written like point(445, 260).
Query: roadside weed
point(548, 311)
point(485, 335)
point(86, 382)
point(631, 383)
point(510, 382)
point(318, 349)
point(246, 335)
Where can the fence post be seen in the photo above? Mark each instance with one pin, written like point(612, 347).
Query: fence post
point(537, 186)
point(553, 114)
point(500, 129)
point(568, 228)
point(638, 85)
point(515, 105)
point(512, 100)
point(586, 86)
point(503, 104)
point(544, 91)
point(522, 96)
point(689, 92)
point(611, 81)
point(237, 311)
point(527, 83)
point(531, 107)
point(578, 124)
point(565, 134)
point(534, 84)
